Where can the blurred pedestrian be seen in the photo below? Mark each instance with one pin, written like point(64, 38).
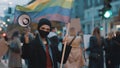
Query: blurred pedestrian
point(96, 47)
point(14, 59)
point(116, 50)
point(40, 52)
point(3, 45)
point(5, 57)
point(108, 50)
point(75, 59)
point(26, 38)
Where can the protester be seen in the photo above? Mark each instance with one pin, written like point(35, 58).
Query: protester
point(40, 53)
point(108, 50)
point(14, 58)
point(116, 50)
point(3, 45)
point(26, 38)
point(75, 59)
point(96, 50)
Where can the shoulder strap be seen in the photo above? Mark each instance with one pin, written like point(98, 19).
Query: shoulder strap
point(73, 39)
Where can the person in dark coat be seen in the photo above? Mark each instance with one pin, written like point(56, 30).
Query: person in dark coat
point(14, 56)
point(116, 50)
point(40, 53)
point(108, 50)
point(25, 38)
point(96, 50)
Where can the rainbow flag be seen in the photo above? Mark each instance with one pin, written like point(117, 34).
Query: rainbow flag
point(54, 10)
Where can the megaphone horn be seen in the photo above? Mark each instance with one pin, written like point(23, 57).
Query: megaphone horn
point(24, 20)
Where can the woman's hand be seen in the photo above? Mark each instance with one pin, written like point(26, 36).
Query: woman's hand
point(26, 38)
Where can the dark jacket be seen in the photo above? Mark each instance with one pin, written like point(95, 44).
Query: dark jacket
point(54, 40)
point(36, 54)
point(108, 53)
point(116, 50)
point(108, 48)
point(94, 47)
point(98, 49)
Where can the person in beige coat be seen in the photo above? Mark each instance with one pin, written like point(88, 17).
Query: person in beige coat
point(3, 45)
point(15, 60)
point(75, 59)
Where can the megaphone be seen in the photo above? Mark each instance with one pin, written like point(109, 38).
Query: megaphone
point(24, 20)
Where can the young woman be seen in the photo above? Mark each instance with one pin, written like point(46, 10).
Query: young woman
point(96, 50)
point(40, 53)
point(75, 59)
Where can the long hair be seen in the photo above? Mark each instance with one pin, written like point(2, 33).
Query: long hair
point(96, 33)
point(110, 35)
point(117, 33)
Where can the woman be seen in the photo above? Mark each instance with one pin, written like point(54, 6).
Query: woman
point(96, 50)
point(3, 46)
point(116, 50)
point(108, 50)
point(75, 59)
point(15, 60)
point(40, 53)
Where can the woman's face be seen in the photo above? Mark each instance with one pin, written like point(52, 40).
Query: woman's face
point(72, 32)
point(45, 28)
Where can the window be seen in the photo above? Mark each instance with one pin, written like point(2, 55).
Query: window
point(88, 2)
point(93, 2)
point(98, 1)
point(89, 31)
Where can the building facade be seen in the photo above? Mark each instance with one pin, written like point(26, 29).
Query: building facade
point(89, 18)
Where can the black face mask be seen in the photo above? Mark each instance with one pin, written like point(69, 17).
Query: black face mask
point(43, 33)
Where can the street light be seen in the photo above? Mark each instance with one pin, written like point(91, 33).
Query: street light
point(101, 28)
point(108, 14)
point(106, 11)
point(8, 20)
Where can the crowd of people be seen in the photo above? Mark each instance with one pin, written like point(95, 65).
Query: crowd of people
point(98, 45)
point(42, 49)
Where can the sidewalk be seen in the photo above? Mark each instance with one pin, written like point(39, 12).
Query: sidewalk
point(5, 65)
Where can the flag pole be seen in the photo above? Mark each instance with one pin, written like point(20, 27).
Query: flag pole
point(63, 53)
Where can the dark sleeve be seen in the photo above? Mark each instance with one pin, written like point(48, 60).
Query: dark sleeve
point(66, 54)
point(54, 40)
point(117, 40)
point(22, 39)
point(108, 48)
point(107, 44)
point(25, 51)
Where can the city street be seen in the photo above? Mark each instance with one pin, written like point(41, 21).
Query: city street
point(5, 65)
point(2, 65)
point(43, 33)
